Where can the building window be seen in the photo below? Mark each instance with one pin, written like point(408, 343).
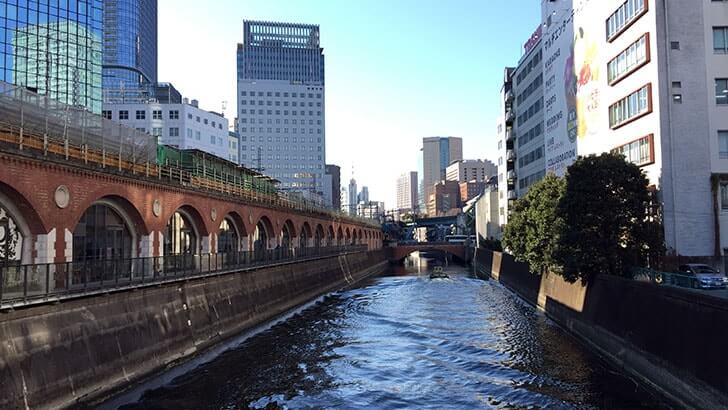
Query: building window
point(723, 144)
point(640, 152)
point(123, 115)
point(197, 135)
point(720, 40)
point(106, 114)
point(212, 139)
point(629, 60)
point(141, 115)
point(174, 132)
point(174, 115)
point(625, 15)
point(675, 45)
point(631, 107)
point(724, 196)
point(157, 132)
point(189, 133)
point(721, 91)
point(157, 114)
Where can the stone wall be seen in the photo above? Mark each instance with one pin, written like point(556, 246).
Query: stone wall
point(56, 355)
point(671, 339)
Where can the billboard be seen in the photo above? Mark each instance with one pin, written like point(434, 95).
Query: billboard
point(571, 81)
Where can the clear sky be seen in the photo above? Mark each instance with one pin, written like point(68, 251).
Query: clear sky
point(396, 71)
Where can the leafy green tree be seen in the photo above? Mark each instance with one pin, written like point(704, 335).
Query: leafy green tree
point(605, 210)
point(533, 230)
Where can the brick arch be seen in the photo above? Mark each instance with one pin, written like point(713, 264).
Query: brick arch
point(267, 224)
point(291, 228)
point(24, 209)
point(199, 222)
point(339, 235)
point(306, 230)
point(128, 211)
point(239, 223)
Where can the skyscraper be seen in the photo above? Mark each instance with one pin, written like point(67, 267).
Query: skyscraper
point(407, 196)
point(437, 154)
point(54, 50)
point(333, 172)
point(130, 50)
point(352, 197)
point(281, 116)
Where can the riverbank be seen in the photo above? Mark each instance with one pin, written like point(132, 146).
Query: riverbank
point(57, 355)
point(671, 340)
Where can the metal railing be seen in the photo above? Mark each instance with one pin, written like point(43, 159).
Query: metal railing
point(22, 285)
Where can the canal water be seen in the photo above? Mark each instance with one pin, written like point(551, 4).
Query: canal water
point(401, 340)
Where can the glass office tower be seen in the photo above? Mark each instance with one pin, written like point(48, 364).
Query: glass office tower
point(130, 50)
point(54, 48)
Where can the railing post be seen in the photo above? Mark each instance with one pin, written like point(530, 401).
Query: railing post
point(25, 283)
point(47, 281)
point(2, 283)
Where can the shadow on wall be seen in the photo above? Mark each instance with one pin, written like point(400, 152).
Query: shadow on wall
point(671, 338)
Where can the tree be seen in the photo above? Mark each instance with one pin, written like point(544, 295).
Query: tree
point(607, 226)
point(533, 230)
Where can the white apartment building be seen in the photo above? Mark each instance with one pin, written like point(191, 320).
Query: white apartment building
point(469, 170)
point(183, 126)
point(281, 126)
point(650, 80)
point(233, 147)
point(487, 223)
point(407, 195)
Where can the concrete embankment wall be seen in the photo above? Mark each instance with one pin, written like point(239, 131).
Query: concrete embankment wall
point(55, 355)
point(671, 339)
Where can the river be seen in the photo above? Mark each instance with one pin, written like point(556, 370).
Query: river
point(401, 340)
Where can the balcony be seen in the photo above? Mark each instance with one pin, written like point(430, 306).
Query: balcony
point(512, 195)
point(510, 116)
point(511, 176)
point(511, 155)
point(508, 96)
point(510, 135)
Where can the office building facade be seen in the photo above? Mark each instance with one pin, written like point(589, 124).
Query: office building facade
point(281, 103)
point(55, 50)
point(351, 205)
point(407, 193)
point(469, 170)
point(333, 185)
point(437, 154)
point(183, 126)
point(130, 50)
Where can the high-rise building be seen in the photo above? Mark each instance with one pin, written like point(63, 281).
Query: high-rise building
point(333, 175)
point(130, 50)
point(281, 101)
point(506, 148)
point(471, 170)
point(363, 196)
point(53, 49)
point(407, 195)
point(437, 154)
point(352, 197)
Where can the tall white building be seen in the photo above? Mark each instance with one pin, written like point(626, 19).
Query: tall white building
point(407, 195)
point(506, 150)
point(650, 80)
point(184, 126)
point(281, 103)
point(469, 170)
point(351, 203)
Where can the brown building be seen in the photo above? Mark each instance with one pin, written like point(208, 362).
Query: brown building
point(469, 190)
point(445, 198)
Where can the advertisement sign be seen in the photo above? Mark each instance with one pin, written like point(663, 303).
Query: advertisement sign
point(571, 81)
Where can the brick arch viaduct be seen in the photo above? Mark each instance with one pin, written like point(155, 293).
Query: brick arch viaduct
point(31, 185)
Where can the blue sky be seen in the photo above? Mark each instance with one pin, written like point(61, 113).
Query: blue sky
point(396, 71)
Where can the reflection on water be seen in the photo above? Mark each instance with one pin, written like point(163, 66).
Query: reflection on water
point(405, 341)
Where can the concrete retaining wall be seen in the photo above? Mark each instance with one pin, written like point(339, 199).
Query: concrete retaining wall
point(671, 339)
point(56, 355)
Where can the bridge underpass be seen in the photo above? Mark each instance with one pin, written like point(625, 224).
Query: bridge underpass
point(397, 253)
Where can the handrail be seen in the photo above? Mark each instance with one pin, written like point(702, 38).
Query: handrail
point(24, 285)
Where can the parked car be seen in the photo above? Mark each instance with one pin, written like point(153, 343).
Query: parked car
point(699, 276)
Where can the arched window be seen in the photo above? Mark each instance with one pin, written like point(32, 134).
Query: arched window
point(11, 240)
point(318, 236)
point(102, 234)
point(181, 238)
point(286, 237)
point(227, 237)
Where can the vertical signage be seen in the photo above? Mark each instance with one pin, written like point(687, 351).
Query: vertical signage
point(560, 86)
point(571, 68)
